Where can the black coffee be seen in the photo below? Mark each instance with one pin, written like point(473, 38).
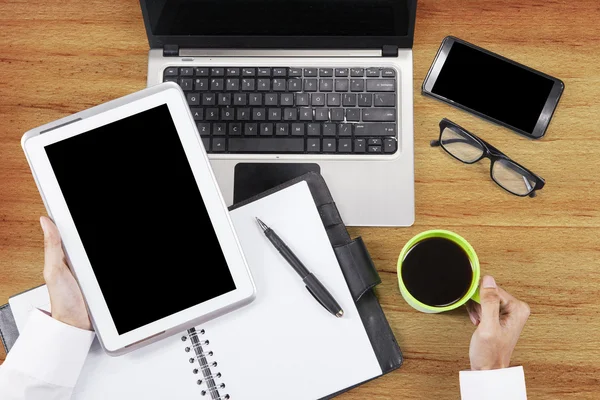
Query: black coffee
point(437, 272)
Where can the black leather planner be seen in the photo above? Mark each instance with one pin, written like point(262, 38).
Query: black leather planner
point(356, 264)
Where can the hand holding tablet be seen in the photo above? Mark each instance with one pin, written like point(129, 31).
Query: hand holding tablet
point(143, 223)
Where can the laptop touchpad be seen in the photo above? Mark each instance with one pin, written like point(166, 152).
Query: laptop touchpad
point(251, 179)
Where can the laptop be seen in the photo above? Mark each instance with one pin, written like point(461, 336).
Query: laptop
point(282, 87)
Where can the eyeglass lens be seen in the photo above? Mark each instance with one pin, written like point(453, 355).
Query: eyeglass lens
point(512, 177)
point(461, 145)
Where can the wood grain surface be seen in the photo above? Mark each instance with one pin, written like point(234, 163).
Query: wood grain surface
point(58, 58)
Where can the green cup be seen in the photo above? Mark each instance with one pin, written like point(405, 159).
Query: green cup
point(472, 293)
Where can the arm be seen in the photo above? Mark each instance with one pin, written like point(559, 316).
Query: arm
point(499, 318)
point(46, 360)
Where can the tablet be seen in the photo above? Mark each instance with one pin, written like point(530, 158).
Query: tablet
point(143, 223)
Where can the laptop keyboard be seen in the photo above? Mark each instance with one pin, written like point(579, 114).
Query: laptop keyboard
point(292, 110)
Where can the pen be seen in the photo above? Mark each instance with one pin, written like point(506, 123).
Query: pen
point(313, 285)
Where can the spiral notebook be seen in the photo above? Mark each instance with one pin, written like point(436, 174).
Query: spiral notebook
point(283, 345)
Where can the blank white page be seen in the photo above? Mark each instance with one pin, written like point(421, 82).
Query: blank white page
point(285, 345)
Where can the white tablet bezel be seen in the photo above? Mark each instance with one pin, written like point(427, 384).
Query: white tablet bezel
point(171, 95)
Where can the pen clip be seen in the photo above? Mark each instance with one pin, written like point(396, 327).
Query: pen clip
point(316, 298)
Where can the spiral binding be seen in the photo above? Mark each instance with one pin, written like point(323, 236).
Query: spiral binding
point(206, 367)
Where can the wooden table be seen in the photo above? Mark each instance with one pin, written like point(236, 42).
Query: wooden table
point(57, 58)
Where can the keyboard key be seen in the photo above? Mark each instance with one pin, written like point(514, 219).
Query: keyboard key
point(341, 72)
point(379, 114)
point(193, 99)
point(186, 71)
point(345, 146)
point(279, 85)
point(306, 114)
point(201, 71)
point(375, 130)
point(329, 129)
point(321, 114)
point(255, 99)
point(258, 114)
point(204, 128)
point(243, 114)
point(381, 85)
point(279, 71)
point(248, 71)
point(345, 130)
point(329, 145)
point(232, 85)
point(358, 85)
point(208, 99)
point(310, 85)
point(217, 71)
point(389, 145)
point(264, 85)
point(206, 143)
point(294, 85)
point(388, 72)
point(233, 72)
point(317, 99)
point(172, 71)
point(218, 145)
point(349, 100)
point(287, 99)
point(374, 142)
point(227, 114)
point(270, 99)
point(374, 149)
point(373, 72)
point(290, 114)
point(295, 72)
point(326, 85)
point(201, 84)
point(266, 129)
point(235, 129)
point(264, 72)
point(297, 129)
point(197, 113)
point(186, 84)
point(224, 99)
point(302, 99)
point(251, 129)
point(360, 146)
point(219, 128)
point(240, 99)
point(248, 84)
point(313, 129)
point(357, 72)
point(385, 99)
point(310, 72)
point(282, 129)
point(342, 85)
point(274, 114)
point(325, 71)
point(171, 79)
point(266, 145)
point(365, 100)
point(337, 114)
point(313, 145)
point(216, 84)
point(353, 114)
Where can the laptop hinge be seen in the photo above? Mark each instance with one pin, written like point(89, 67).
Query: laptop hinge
point(389, 51)
point(171, 50)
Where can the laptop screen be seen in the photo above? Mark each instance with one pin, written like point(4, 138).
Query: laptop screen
point(362, 18)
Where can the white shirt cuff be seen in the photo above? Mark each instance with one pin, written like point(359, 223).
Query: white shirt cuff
point(496, 384)
point(50, 350)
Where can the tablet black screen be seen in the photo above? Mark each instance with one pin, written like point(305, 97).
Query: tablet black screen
point(141, 218)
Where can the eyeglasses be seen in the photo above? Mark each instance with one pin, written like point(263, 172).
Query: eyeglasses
point(468, 148)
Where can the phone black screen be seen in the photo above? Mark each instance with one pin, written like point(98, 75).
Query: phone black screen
point(141, 218)
point(493, 87)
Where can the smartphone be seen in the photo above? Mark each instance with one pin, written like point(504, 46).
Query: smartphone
point(493, 87)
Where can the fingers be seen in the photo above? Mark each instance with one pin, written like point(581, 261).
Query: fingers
point(53, 253)
point(513, 308)
point(474, 311)
point(490, 302)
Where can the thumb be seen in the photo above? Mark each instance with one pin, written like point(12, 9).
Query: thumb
point(490, 302)
point(53, 253)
